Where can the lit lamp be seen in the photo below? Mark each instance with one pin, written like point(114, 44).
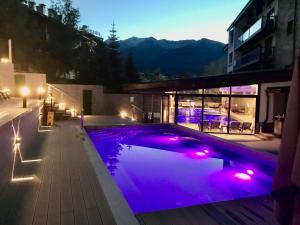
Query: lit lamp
point(40, 91)
point(4, 60)
point(24, 91)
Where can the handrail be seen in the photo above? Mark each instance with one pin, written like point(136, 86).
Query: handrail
point(139, 109)
point(73, 99)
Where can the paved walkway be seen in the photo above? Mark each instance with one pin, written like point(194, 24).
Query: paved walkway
point(65, 191)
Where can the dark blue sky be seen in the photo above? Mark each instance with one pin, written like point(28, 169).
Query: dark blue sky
point(169, 19)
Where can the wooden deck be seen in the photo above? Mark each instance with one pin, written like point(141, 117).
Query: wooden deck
point(251, 211)
point(66, 190)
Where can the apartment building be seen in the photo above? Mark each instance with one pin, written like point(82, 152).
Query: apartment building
point(264, 36)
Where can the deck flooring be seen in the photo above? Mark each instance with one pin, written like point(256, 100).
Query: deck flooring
point(252, 211)
point(65, 191)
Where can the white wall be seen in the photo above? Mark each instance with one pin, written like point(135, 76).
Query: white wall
point(74, 91)
point(33, 81)
point(7, 76)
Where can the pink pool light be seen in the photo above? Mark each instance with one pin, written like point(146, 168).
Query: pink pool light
point(206, 151)
point(250, 172)
point(200, 154)
point(173, 138)
point(242, 176)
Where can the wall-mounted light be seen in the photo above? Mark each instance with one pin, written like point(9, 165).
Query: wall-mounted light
point(17, 150)
point(62, 106)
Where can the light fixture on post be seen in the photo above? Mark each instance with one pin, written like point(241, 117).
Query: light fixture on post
point(24, 91)
point(41, 92)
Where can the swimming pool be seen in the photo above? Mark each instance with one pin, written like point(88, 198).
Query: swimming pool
point(160, 167)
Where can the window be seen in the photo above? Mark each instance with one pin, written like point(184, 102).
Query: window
point(218, 91)
point(245, 90)
point(290, 27)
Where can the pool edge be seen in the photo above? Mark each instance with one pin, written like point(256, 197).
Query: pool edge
point(119, 207)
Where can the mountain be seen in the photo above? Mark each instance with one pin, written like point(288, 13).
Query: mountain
point(172, 57)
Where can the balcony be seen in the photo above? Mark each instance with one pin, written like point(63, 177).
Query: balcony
point(263, 26)
point(264, 56)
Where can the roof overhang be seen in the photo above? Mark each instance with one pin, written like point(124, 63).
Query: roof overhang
point(241, 13)
point(224, 80)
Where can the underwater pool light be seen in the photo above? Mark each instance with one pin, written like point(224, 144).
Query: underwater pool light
point(200, 154)
point(242, 176)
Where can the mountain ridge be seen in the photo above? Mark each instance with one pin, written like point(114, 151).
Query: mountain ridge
point(172, 57)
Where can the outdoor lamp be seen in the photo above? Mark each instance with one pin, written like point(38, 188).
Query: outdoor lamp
point(24, 91)
point(4, 60)
point(40, 91)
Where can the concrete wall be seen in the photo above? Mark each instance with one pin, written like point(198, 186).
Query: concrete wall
point(33, 81)
point(284, 42)
point(74, 91)
point(115, 103)
point(28, 130)
point(7, 76)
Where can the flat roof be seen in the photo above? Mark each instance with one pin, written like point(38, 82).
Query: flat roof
point(224, 80)
point(241, 13)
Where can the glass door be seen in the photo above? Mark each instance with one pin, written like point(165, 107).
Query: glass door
point(190, 111)
point(242, 115)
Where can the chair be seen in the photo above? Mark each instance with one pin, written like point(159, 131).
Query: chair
point(247, 126)
point(235, 126)
point(205, 124)
point(215, 125)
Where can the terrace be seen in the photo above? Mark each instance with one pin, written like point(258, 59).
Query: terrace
point(67, 190)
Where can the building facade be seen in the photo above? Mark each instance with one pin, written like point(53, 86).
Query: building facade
point(264, 35)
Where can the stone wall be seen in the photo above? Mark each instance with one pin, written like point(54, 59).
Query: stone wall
point(28, 131)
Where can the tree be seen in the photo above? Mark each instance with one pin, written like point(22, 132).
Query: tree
point(116, 78)
point(215, 68)
point(154, 76)
point(131, 72)
point(70, 15)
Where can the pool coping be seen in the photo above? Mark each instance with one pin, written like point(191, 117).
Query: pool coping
point(119, 207)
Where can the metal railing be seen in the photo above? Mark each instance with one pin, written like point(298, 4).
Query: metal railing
point(134, 110)
point(263, 55)
point(61, 96)
point(263, 23)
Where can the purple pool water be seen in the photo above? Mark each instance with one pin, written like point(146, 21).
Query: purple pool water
point(158, 168)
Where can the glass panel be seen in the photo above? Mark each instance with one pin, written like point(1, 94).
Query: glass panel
point(242, 115)
point(215, 117)
point(198, 91)
point(189, 111)
point(165, 105)
point(172, 109)
point(218, 91)
point(245, 90)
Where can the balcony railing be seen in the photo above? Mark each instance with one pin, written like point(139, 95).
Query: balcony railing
point(263, 24)
point(263, 55)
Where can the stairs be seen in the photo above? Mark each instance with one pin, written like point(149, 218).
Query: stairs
point(4, 95)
